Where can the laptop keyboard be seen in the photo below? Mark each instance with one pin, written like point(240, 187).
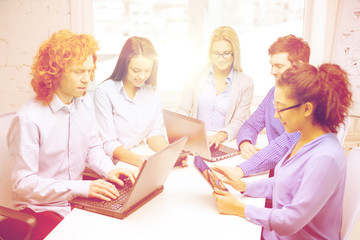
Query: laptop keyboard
point(116, 203)
point(216, 152)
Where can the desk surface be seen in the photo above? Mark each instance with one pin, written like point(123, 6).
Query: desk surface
point(184, 210)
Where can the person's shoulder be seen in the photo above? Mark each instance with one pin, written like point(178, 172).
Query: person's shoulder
point(31, 106)
point(33, 110)
point(329, 147)
point(107, 87)
point(268, 99)
point(330, 140)
point(270, 93)
point(241, 75)
point(242, 78)
point(108, 84)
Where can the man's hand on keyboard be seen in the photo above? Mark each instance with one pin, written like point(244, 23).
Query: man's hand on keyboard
point(103, 190)
point(248, 150)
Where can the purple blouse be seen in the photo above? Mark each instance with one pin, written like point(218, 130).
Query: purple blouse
point(307, 193)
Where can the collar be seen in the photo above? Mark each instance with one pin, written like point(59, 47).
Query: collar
point(56, 104)
point(228, 78)
point(120, 85)
point(122, 91)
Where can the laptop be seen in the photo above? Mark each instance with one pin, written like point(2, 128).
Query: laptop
point(178, 125)
point(148, 184)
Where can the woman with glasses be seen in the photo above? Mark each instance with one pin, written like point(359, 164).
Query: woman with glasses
point(309, 181)
point(220, 94)
point(128, 105)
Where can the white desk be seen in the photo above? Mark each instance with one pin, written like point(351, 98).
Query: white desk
point(184, 210)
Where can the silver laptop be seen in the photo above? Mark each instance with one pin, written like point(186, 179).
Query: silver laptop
point(178, 126)
point(148, 184)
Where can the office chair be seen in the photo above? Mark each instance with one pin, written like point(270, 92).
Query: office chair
point(351, 205)
point(343, 129)
point(9, 216)
point(25, 224)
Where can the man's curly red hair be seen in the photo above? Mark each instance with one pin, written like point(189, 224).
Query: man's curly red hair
point(54, 55)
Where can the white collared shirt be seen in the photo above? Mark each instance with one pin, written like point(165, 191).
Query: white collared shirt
point(49, 146)
point(124, 121)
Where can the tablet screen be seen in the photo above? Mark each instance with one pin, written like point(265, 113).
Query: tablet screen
point(208, 174)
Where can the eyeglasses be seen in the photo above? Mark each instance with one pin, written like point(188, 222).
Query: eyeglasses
point(224, 54)
point(284, 109)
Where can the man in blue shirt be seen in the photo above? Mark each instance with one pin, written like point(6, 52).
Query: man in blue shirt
point(284, 52)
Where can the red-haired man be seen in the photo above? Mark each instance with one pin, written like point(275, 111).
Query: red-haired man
point(54, 135)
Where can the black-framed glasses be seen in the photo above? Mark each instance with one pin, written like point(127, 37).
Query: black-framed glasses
point(224, 54)
point(285, 109)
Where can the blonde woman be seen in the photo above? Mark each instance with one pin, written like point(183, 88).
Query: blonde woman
point(220, 94)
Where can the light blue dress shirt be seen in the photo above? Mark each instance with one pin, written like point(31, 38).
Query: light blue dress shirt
point(124, 121)
point(213, 107)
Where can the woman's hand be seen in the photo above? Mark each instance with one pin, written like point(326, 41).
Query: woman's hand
point(231, 176)
point(182, 159)
point(227, 203)
point(217, 139)
point(116, 174)
point(214, 180)
point(140, 161)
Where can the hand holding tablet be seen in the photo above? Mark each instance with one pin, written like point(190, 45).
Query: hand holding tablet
point(208, 174)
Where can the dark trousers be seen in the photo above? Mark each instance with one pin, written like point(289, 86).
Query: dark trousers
point(45, 222)
point(268, 202)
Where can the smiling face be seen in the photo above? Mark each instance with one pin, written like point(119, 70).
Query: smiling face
point(222, 55)
point(288, 111)
point(74, 80)
point(139, 70)
point(279, 64)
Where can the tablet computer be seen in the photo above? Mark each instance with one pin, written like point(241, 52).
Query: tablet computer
point(208, 174)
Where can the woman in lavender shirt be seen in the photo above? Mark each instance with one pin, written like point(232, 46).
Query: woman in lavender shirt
point(308, 187)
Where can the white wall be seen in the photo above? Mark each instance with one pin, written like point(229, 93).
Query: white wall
point(319, 28)
point(24, 25)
